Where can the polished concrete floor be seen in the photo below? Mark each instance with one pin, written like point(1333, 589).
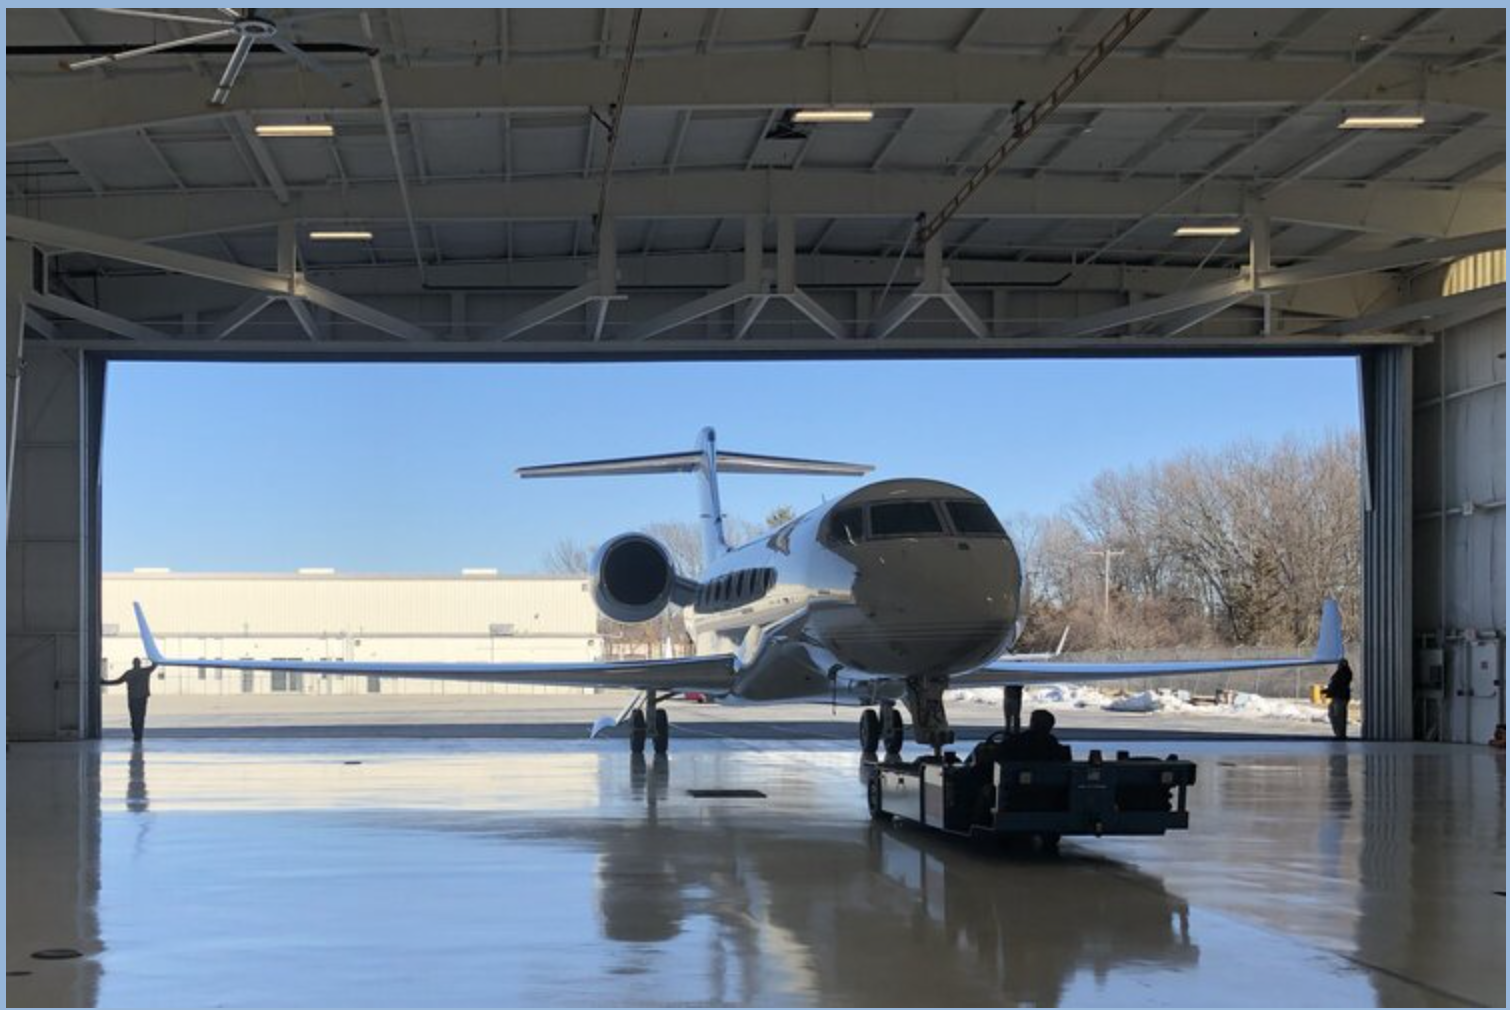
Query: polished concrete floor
point(400, 872)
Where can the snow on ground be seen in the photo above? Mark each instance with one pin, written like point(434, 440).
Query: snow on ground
point(1240, 705)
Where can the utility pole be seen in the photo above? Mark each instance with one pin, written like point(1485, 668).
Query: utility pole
point(1106, 580)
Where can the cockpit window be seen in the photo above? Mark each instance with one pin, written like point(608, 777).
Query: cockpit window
point(847, 526)
point(904, 519)
point(974, 518)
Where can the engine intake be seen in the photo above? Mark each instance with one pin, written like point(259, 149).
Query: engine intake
point(634, 579)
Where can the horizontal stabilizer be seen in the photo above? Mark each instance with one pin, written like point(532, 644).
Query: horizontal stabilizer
point(690, 462)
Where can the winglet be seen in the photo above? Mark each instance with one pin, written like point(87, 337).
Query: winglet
point(1329, 639)
point(154, 655)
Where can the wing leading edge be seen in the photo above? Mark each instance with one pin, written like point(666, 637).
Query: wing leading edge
point(1329, 652)
point(713, 674)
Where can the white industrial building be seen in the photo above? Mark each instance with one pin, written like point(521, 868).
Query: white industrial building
point(476, 616)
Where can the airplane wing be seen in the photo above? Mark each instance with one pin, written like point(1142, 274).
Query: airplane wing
point(1008, 670)
point(711, 674)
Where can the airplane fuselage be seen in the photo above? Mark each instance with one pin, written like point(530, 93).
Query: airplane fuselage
point(899, 579)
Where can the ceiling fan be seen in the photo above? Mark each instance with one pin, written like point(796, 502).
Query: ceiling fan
point(245, 25)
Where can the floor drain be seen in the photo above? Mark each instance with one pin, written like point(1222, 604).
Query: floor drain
point(351, 762)
point(56, 954)
point(16, 974)
point(1500, 893)
point(726, 794)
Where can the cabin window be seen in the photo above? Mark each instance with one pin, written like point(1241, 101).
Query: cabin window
point(847, 526)
point(904, 519)
point(974, 518)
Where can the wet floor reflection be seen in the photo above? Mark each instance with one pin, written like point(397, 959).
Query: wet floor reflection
point(369, 873)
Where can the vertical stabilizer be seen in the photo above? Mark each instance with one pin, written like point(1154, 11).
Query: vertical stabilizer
point(711, 509)
point(706, 461)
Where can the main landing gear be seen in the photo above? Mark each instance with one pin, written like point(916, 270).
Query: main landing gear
point(887, 728)
point(650, 721)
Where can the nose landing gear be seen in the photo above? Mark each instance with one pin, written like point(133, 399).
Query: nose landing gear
point(870, 731)
point(887, 729)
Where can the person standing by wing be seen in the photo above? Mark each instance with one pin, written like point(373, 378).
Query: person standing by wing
point(1339, 693)
point(138, 681)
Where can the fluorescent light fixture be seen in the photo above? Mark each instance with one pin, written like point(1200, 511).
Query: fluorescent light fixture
point(317, 571)
point(295, 130)
point(479, 573)
point(1382, 123)
point(1208, 230)
point(340, 236)
point(833, 115)
point(151, 571)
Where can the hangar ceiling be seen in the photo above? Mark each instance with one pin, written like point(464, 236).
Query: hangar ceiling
point(475, 146)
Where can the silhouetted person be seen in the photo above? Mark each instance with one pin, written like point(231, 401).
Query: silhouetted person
point(1037, 742)
point(1339, 693)
point(138, 681)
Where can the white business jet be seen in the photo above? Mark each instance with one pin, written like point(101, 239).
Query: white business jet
point(892, 594)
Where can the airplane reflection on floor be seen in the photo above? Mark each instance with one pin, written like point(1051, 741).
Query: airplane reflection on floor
point(505, 872)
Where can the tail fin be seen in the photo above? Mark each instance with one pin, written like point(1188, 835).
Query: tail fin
point(707, 462)
point(1329, 645)
point(149, 643)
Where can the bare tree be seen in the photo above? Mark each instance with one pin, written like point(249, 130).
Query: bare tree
point(567, 557)
point(1236, 546)
point(779, 517)
point(684, 541)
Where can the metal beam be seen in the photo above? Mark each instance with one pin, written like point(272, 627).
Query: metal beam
point(91, 316)
point(1235, 290)
point(1477, 302)
point(712, 302)
point(45, 108)
point(1375, 60)
point(752, 285)
point(543, 313)
point(45, 234)
point(934, 285)
point(1390, 208)
point(262, 156)
point(241, 315)
point(305, 318)
point(699, 348)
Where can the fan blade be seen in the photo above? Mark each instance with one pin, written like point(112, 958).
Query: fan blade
point(159, 47)
point(309, 62)
point(232, 70)
point(230, 12)
point(135, 12)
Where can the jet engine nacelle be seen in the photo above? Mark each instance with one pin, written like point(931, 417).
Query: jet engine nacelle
point(634, 579)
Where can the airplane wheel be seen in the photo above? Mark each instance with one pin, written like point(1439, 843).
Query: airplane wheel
point(637, 732)
point(870, 731)
point(662, 732)
point(892, 732)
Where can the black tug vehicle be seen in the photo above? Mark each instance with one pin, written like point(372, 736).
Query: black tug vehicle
point(992, 794)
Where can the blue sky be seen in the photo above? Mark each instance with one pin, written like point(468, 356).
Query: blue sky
point(408, 468)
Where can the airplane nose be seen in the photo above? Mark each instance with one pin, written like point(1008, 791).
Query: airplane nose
point(943, 605)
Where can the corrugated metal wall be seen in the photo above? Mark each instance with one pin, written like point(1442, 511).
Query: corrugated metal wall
point(1385, 388)
point(1459, 599)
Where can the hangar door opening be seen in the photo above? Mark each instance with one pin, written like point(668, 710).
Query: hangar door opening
point(1174, 508)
